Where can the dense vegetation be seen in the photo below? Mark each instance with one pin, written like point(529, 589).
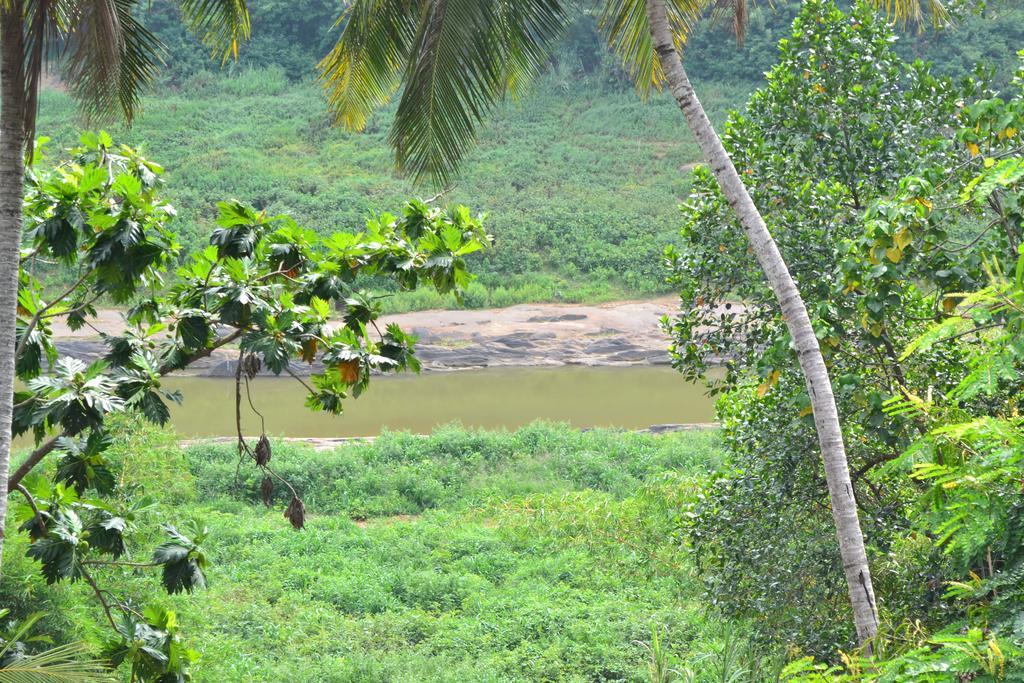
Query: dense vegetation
point(892, 193)
point(895, 192)
point(544, 554)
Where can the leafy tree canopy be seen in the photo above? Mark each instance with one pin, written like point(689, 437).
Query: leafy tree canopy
point(265, 286)
point(852, 154)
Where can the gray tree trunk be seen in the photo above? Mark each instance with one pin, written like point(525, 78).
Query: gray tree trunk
point(819, 387)
point(12, 176)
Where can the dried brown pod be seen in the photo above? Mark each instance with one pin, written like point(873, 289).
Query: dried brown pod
point(267, 490)
point(262, 452)
point(296, 513)
point(251, 365)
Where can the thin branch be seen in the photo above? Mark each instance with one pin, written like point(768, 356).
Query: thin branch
point(35, 319)
point(963, 246)
point(99, 596)
point(439, 195)
point(32, 504)
point(973, 330)
point(248, 396)
point(76, 309)
point(299, 379)
point(243, 446)
point(379, 333)
point(952, 172)
point(115, 563)
point(283, 273)
point(871, 464)
point(223, 341)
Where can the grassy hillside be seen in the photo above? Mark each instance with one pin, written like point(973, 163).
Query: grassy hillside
point(544, 554)
point(581, 180)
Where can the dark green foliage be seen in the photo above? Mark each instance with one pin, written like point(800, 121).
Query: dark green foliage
point(840, 125)
point(182, 558)
point(287, 34)
point(58, 549)
point(981, 33)
point(83, 464)
point(150, 643)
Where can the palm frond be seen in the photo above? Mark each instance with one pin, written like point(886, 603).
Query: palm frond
point(113, 57)
point(527, 31)
point(21, 629)
point(64, 664)
point(913, 11)
point(220, 24)
point(625, 27)
point(45, 22)
point(361, 72)
point(466, 55)
point(736, 12)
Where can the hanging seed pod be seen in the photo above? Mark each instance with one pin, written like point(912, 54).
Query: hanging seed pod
point(296, 513)
point(262, 452)
point(251, 365)
point(267, 490)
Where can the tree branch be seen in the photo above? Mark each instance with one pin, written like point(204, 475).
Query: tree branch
point(99, 596)
point(34, 459)
point(39, 314)
point(46, 448)
point(32, 504)
point(223, 341)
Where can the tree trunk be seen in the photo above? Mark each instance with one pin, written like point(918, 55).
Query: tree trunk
point(819, 387)
point(12, 177)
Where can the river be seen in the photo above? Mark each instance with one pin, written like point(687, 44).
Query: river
point(495, 398)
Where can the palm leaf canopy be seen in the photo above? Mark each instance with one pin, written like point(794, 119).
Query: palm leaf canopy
point(108, 54)
point(70, 663)
point(457, 58)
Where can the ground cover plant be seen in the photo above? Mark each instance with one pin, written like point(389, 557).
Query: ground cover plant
point(543, 554)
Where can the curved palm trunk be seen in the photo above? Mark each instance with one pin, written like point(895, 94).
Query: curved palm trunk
point(819, 387)
point(12, 176)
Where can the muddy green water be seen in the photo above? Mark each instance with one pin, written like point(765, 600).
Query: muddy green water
point(496, 398)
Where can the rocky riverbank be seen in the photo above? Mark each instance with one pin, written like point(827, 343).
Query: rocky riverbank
point(530, 335)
